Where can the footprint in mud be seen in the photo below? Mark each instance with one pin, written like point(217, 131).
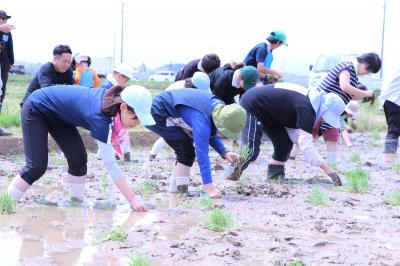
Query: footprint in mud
point(256, 189)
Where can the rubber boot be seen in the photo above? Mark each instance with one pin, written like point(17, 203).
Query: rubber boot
point(276, 171)
point(391, 146)
point(127, 157)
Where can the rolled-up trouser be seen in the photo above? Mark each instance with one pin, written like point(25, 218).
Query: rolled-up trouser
point(392, 114)
point(35, 131)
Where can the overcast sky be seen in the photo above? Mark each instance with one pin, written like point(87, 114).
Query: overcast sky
point(159, 32)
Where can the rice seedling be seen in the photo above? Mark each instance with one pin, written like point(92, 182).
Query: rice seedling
point(317, 197)
point(375, 135)
point(218, 220)
point(396, 168)
point(147, 188)
point(355, 158)
point(139, 259)
point(103, 186)
point(203, 202)
point(117, 234)
point(333, 166)
point(393, 198)
point(357, 180)
point(7, 204)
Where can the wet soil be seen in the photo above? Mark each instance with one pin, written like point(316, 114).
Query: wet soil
point(274, 225)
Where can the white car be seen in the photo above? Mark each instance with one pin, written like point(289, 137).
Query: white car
point(163, 76)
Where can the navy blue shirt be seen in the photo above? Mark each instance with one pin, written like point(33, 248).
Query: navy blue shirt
point(72, 106)
point(256, 55)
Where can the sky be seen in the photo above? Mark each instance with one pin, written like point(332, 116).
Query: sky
point(177, 31)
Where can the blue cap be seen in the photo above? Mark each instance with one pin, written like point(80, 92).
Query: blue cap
point(201, 81)
point(139, 98)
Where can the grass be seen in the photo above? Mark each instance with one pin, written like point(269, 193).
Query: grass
point(7, 204)
point(357, 180)
point(375, 135)
point(393, 198)
point(396, 168)
point(317, 197)
point(355, 158)
point(147, 188)
point(371, 118)
point(9, 120)
point(139, 259)
point(117, 234)
point(218, 220)
point(204, 202)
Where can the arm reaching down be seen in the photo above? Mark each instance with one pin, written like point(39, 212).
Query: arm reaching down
point(110, 162)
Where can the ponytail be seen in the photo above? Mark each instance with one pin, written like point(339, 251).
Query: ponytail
point(112, 101)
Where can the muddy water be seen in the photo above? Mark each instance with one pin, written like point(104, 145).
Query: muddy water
point(273, 223)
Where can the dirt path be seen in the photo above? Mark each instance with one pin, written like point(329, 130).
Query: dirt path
point(273, 225)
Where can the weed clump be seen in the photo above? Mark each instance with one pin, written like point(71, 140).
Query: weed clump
point(357, 180)
point(138, 259)
point(118, 234)
point(355, 158)
point(204, 202)
point(7, 204)
point(218, 220)
point(375, 135)
point(317, 197)
point(393, 198)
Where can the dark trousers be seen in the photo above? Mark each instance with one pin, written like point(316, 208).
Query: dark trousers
point(251, 137)
point(392, 114)
point(4, 78)
point(35, 131)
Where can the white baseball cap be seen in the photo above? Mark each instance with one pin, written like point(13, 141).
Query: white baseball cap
point(333, 107)
point(125, 70)
point(201, 81)
point(139, 98)
point(79, 57)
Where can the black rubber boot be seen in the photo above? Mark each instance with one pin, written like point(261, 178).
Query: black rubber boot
point(391, 146)
point(276, 171)
point(127, 157)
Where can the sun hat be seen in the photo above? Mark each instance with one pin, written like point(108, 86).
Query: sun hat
point(249, 75)
point(139, 98)
point(125, 70)
point(279, 35)
point(332, 108)
point(201, 81)
point(229, 119)
point(353, 108)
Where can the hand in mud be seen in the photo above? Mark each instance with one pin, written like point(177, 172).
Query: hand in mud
point(212, 191)
point(137, 205)
point(231, 156)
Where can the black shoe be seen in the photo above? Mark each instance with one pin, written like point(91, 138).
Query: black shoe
point(4, 133)
point(391, 146)
point(276, 171)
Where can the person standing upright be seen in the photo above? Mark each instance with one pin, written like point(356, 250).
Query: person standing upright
point(260, 56)
point(57, 72)
point(6, 58)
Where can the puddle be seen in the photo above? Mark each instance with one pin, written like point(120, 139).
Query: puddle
point(49, 235)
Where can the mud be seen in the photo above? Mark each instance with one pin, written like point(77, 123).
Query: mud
point(273, 223)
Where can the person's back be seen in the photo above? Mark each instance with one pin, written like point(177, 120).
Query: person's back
point(84, 74)
point(221, 84)
point(206, 64)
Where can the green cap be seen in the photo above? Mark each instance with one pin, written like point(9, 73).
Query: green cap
point(229, 119)
point(249, 75)
point(279, 35)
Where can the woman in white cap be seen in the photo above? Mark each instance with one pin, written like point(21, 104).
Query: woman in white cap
point(289, 114)
point(199, 81)
point(59, 110)
point(84, 74)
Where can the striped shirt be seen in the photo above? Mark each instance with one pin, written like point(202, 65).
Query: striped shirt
point(331, 81)
point(331, 84)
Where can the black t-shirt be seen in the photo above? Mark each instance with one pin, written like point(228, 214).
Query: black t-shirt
point(188, 70)
point(48, 76)
point(275, 107)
